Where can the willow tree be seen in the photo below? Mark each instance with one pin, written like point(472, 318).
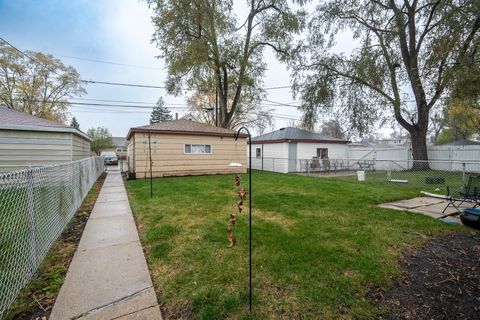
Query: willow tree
point(208, 47)
point(406, 55)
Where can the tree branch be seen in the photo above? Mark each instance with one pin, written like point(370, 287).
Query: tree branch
point(427, 27)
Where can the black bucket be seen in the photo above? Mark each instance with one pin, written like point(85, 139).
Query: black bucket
point(471, 218)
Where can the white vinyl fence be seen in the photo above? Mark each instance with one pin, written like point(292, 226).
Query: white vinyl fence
point(35, 206)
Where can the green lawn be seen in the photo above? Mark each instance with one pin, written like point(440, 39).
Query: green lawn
point(319, 245)
point(417, 180)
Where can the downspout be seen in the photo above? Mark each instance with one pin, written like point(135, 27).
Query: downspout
point(262, 156)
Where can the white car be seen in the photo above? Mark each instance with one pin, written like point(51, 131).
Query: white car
point(109, 158)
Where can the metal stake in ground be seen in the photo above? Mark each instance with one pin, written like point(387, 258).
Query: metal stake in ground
point(150, 156)
point(236, 135)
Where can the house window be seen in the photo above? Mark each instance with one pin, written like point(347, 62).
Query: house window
point(123, 149)
point(198, 148)
point(258, 153)
point(322, 153)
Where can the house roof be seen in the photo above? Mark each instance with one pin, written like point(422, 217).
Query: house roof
point(11, 119)
point(183, 126)
point(464, 142)
point(295, 134)
point(119, 141)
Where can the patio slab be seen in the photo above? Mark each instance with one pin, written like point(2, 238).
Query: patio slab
point(428, 206)
point(419, 202)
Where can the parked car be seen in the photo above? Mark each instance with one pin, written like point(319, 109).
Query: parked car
point(109, 158)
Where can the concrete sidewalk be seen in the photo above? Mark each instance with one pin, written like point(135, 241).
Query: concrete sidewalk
point(108, 277)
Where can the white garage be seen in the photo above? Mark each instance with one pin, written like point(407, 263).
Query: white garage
point(296, 150)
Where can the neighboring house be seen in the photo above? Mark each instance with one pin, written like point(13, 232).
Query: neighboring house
point(286, 149)
point(119, 147)
point(183, 147)
point(400, 141)
point(26, 140)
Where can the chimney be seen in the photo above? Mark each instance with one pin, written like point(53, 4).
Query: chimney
point(176, 115)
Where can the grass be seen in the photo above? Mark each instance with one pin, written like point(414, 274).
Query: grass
point(319, 245)
point(417, 180)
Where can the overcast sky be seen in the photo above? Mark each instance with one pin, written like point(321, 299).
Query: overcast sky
point(115, 31)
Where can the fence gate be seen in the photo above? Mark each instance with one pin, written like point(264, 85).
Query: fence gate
point(292, 157)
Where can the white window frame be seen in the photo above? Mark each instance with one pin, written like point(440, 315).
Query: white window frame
point(197, 144)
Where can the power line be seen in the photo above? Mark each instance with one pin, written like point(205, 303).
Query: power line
point(282, 104)
point(125, 101)
point(128, 109)
point(127, 84)
point(109, 62)
point(117, 83)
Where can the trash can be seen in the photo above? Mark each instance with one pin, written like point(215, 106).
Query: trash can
point(361, 175)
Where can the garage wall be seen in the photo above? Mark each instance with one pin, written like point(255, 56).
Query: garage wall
point(130, 155)
point(274, 157)
point(80, 147)
point(308, 150)
point(20, 149)
point(169, 158)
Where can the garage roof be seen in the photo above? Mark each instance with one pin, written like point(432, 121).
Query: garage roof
point(11, 119)
point(295, 135)
point(183, 126)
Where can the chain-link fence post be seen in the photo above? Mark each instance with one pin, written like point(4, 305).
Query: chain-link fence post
point(31, 221)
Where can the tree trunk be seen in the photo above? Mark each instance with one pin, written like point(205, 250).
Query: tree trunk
point(419, 148)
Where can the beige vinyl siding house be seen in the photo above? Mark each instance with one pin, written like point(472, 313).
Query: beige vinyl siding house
point(119, 147)
point(28, 141)
point(184, 147)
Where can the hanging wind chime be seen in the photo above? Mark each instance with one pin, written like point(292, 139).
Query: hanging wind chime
point(241, 192)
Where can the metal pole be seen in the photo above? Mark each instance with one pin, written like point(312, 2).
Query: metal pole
point(150, 155)
point(31, 221)
point(249, 206)
point(216, 107)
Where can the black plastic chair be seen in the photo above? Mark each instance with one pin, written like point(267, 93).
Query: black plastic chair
point(470, 194)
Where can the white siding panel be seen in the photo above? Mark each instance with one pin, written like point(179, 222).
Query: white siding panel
point(80, 148)
point(307, 151)
point(20, 149)
point(274, 158)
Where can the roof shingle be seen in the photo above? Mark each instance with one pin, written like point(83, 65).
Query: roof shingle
point(14, 117)
point(295, 134)
point(182, 126)
point(11, 119)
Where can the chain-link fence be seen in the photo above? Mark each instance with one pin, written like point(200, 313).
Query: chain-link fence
point(35, 206)
point(434, 176)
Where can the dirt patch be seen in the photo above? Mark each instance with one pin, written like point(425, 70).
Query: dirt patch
point(441, 281)
point(37, 299)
